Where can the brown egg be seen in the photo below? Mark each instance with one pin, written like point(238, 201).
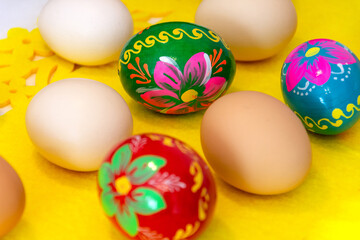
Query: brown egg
point(12, 197)
point(256, 143)
point(254, 29)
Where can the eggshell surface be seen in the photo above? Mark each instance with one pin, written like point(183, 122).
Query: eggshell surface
point(86, 32)
point(12, 198)
point(254, 29)
point(320, 82)
point(256, 143)
point(153, 186)
point(75, 122)
point(176, 67)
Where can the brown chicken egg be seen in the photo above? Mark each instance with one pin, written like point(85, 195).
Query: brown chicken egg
point(12, 197)
point(254, 29)
point(256, 143)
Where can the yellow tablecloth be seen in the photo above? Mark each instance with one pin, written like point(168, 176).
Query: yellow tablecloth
point(62, 204)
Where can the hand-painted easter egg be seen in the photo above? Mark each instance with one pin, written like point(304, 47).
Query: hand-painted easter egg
point(157, 187)
point(176, 67)
point(320, 82)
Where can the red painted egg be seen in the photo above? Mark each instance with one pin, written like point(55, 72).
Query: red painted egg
point(156, 187)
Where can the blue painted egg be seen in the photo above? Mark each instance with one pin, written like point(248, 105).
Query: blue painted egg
point(320, 82)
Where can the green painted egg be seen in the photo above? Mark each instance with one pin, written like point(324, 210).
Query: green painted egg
point(176, 67)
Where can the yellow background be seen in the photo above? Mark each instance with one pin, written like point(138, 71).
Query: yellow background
point(62, 204)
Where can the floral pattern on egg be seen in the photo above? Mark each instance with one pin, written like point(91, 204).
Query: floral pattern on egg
point(321, 83)
point(176, 67)
point(122, 196)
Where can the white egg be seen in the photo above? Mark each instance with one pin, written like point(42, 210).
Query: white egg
point(86, 32)
point(75, 122)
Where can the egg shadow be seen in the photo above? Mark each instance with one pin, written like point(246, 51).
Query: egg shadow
point(217, 226)
point(116, 234)
point(324, 140)
point(258, 75)
point(22, 228)
point(65, 176)
point(342, 142)
point(145, 116)
point(289, 202)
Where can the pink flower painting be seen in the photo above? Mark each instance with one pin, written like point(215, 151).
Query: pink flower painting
point(185, 91)
point(311, 60)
